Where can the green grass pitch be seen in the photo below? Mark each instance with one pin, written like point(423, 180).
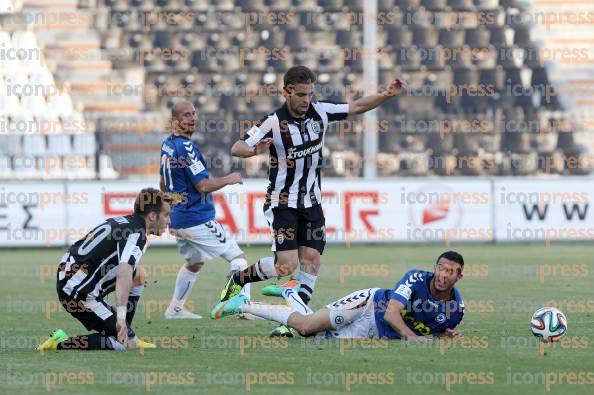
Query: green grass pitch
point(503, 285)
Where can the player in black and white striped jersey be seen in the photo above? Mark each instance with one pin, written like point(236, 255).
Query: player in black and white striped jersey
point(107, 260)
point(294, 137)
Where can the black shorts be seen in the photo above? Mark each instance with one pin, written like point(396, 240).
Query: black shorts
point(297, 227)
point(94, 319)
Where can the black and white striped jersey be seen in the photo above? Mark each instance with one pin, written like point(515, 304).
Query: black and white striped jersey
point(89, 268)
point(296, 153)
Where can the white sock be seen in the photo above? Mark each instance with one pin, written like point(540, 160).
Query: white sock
point(295, 302)
point(183, 285)
point(137, 290)
point(272, 312)
point(237, 265)
point(265, 268)
point(308, 283)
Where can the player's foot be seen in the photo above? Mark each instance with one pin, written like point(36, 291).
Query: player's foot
point(231, 289)
point(277, 290)
point(142, 344)
point(58, 336)
point(179, 313)
point(283, 331)
point(228, 307)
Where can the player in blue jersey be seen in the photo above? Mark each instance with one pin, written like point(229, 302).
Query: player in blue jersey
point(199, 236)
point(422, 303)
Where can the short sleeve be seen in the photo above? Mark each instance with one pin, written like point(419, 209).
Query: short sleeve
point(132, 248)
point(334, 111)
point(407, 285)
point(196, 169)
point(260, 131)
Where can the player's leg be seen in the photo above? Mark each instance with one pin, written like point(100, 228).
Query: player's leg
point(311, 240)
point(272, 312)
point(283, 223)
point(352, 316)
point(187, 243)
point(237, 260)
point(311, 237)
point(309, 267)
point(137, 287)
point(95, 315)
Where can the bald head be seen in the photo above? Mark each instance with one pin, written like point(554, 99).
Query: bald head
point(179, 107)
point(183, 117)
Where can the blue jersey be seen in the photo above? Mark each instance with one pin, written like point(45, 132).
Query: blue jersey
point(182, 166)
point(424, 314)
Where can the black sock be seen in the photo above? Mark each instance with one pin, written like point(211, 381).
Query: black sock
point(305, 293)
point(132, 303)
point(250, 274)
point(92, 341)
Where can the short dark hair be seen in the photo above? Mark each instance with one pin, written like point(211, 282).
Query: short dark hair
point(451, 256)
point(150, 199)
point(299, 75)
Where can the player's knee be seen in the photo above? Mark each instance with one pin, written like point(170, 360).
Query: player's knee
point(141, 277)
point(305, 329)
point(194, 267)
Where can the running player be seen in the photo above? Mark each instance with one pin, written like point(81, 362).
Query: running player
point(107, 259)
point(295, 134)
point(199, 236)
point(421, 304)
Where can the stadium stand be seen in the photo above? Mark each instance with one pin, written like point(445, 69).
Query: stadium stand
point(478, 103)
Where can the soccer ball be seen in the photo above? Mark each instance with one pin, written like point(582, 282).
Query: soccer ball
point(549, 324)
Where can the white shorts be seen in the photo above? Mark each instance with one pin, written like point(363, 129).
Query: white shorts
point(354, 316)
point(206, 241)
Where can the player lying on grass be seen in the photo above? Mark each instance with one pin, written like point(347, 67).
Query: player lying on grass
point(107, 259)
point(422, 303)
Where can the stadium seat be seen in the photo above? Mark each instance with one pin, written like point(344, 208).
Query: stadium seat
point(414, 164)
point(502, 36)
point(59, 144)
point(385, 5)
point(486, 4)
point(399, 36)
point(435, 5)
point(451, 38)
point(331, 5)
point(461, 5)
point(412, 4)
point(34, 145)
point(477, 37)
point(440, 144)
point(424, 36)
point(295, 38)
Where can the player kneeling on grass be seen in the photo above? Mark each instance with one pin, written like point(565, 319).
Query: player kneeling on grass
point(106, 259)
point(422, 303)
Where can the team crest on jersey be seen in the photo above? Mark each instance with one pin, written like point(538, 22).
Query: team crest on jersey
point(280, 238)
point(313, 127)
point(440, 318)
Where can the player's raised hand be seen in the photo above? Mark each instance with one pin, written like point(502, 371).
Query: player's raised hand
point(263, 145)
point(234, 178)
point(395, 87)
point(122, 329)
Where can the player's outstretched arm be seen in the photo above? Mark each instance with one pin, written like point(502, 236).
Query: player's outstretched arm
point(244, 150)
point(370, 102)
point(209, 185)
point(123, 285)
point(393, 316)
